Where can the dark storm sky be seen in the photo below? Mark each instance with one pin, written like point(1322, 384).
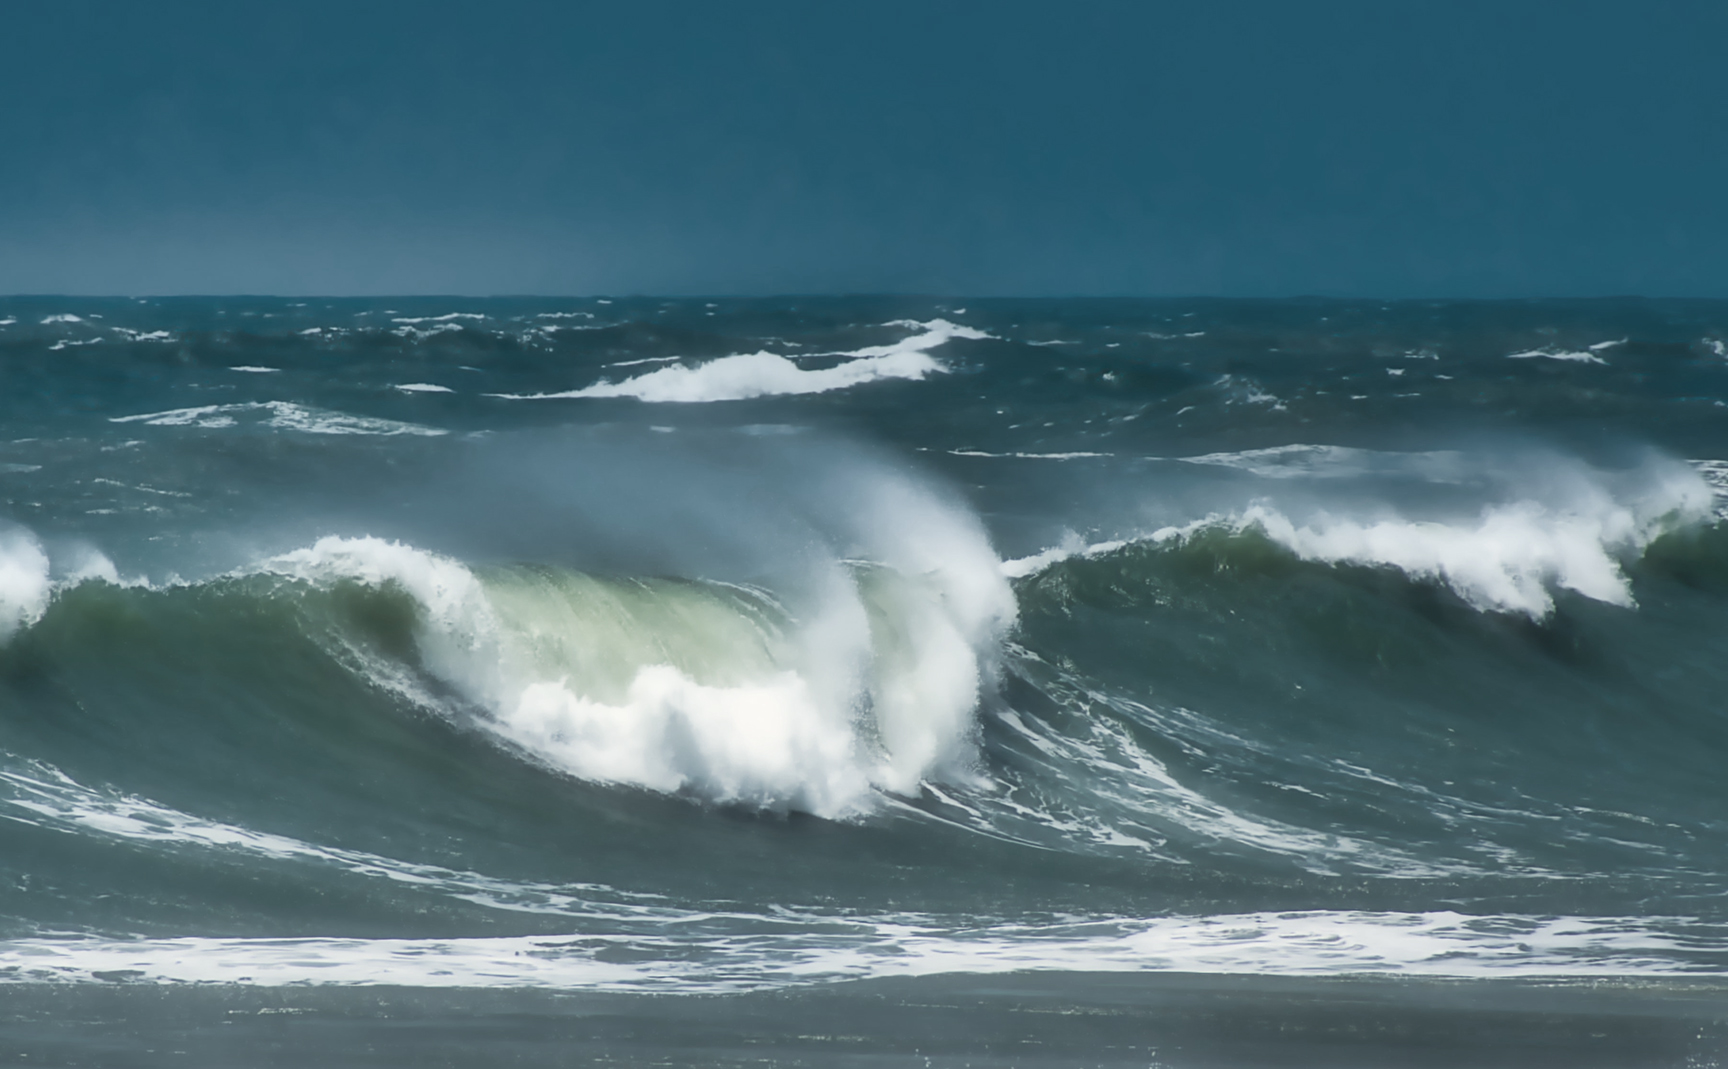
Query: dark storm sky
point(1237, 147)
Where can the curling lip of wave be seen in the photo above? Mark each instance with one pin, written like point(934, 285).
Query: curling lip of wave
point(779, 730)
point(759, 374)
point(24, 584)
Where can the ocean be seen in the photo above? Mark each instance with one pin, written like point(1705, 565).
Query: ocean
point(863, 681)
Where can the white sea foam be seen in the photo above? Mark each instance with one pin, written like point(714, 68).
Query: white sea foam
point(423, 387)
point(1506, 558)
point(1305, 943)
point(1580, 357)
point(29, 577)
point(82, 563)
point(759, 374)
point(710, 691)
point(24, 585)
point(417, 333)
point(1334, 462)
point(449, 317)
point(1247, 391)
point(695, 949)
point(1143, 799)
point(253, 369)
point(283, 415)
point(64, 317)
point(1504, 561)
point(1072, 545)
point(143, 335)
point(1020, 567)
point(1028, 456)
point(44, 797)
point(1715, 475)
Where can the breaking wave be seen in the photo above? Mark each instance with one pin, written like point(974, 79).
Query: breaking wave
point(759, 374)
point(1508, 557)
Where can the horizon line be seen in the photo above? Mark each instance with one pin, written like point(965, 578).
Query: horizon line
point(851, 295)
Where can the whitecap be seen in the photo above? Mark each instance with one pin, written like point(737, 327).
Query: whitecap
point(450, 317)
point(25, 588)
point(417, 333)
point(144, 335)
point(1302, 460)
point(1077, 455)
point(1505, 558)
point(1579, 357)
point(283, 415)
point(716, 691)
point(1237, 389)
point(760, 374)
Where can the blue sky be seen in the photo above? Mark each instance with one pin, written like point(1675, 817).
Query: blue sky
point(1233, 147)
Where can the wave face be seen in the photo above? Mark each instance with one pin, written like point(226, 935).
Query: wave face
point(676, 685)
point(782, 643)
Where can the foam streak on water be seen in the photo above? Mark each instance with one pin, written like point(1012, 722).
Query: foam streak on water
point(1291, 944)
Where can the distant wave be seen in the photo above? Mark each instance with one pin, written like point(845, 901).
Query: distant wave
point(760, 374)
point(281, 415)
point(1573, 356)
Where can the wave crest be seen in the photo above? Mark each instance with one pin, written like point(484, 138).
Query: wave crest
point(24, 584)
point(701, 688)
point(1508, 558)
point(760, 374)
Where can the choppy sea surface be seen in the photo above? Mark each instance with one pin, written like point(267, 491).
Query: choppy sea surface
point(774, 649)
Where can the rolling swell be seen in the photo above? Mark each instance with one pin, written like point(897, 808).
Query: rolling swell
point(1374, 715)
point(1381, 708)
